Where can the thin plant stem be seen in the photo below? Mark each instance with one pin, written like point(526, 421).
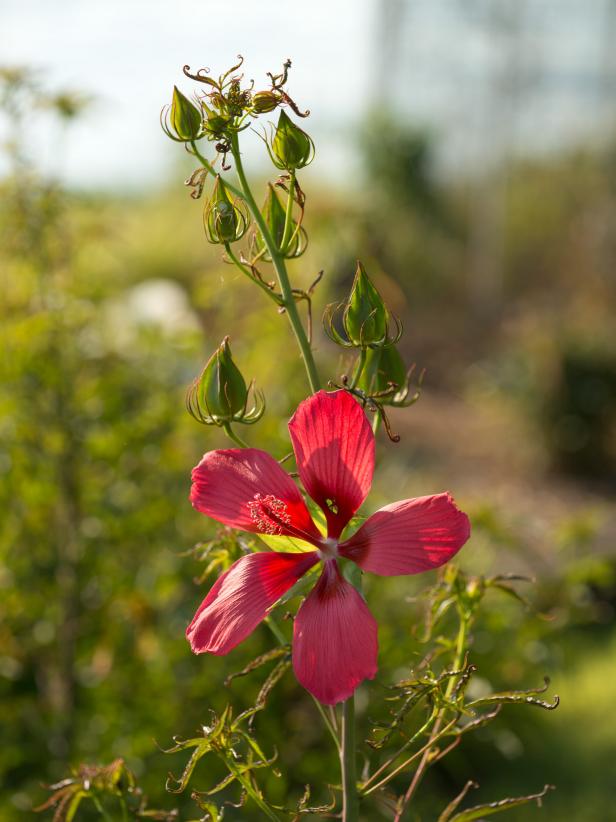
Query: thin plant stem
point(245, 270)
point(288, 221)
point(423, 765)
point(328, 724)
point(233, 436)
point(283, 278)
point(376, 423)
point(361, 362)
point(211, 170)
point(100, 808)
point(399, 752)
point(348, 763)
point(425, 750)
point(271, 623)
point(252, 793)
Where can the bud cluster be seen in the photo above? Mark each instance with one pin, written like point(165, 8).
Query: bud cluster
point(226, 108)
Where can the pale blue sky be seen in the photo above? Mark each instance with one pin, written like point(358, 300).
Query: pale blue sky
point(129, 53)
point(440, 63)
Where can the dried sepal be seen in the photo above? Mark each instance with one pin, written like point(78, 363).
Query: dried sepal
point(490, 808)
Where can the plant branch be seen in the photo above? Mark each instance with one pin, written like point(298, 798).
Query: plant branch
point(348, 763)
point(245, 270)
point(278, 262)
point(233, 436)
point(425, 760)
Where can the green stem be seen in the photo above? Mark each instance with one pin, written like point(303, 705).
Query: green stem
point(211, 170)
point(425, 750)
point(376, 423)
point(233, 436)
point(100, 808)
point(361, 362)
point(460, 652)
point(348, 763)
point(281, 271)
point(365, 788)
point(425, 760)
point(252, 793)
point(275, 629)
point(245, 270)
point(288, 220)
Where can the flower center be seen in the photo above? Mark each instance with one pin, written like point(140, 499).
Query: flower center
point(269, 514)
point(328, 549)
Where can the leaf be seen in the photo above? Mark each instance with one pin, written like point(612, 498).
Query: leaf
point(201, 748)
point(273, 678)
point(446, 815)
point(73, 806)
point(526, 697)
point(268, 656)
point(477, 723)
point(490, 808)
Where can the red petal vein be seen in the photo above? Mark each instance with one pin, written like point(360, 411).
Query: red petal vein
point(241, 597)
point(408, 537)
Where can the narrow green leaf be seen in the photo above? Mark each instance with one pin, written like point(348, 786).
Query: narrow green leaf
point(490, 808)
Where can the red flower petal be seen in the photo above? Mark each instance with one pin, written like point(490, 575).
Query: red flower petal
point(247, 489)
point(241, 597)
point(334, 448)
point(334, 639)
point(408, 537)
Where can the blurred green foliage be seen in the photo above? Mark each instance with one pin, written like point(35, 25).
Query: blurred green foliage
point(110, 307)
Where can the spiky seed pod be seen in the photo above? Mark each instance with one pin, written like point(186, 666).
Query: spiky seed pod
point(225, 220)
point(185, 117)
point(275, 217)
point(291, 148)
point(365, 317)
point(366, 322)
point(220, 395)
point(222, 388)
point(182, 121)
point(263, 102)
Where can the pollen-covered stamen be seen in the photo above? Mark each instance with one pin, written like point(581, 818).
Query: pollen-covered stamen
point(269, 514)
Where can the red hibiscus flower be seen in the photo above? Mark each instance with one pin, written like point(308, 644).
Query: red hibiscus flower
point(335, 635)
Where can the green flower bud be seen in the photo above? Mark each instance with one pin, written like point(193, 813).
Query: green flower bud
point(225, 221)
point(291, 147)
point(264, 101)
point(221, 388)
point(383, 367)
point(365, 318)
point(275, 217)
point(185, 118)
point(215, 124)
